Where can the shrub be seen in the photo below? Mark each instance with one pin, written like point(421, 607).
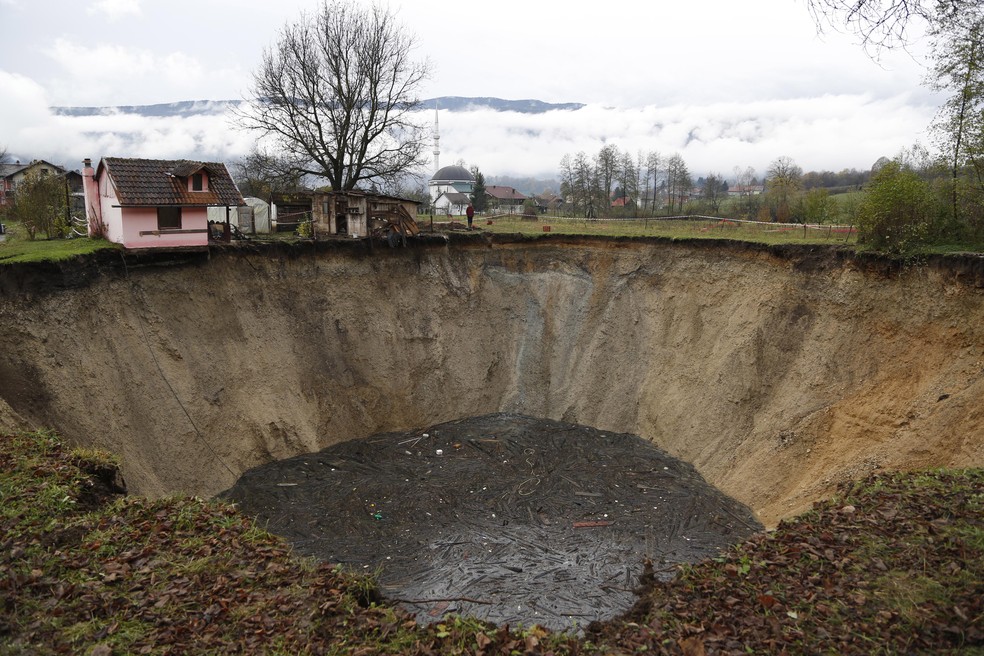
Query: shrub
point(898, 210)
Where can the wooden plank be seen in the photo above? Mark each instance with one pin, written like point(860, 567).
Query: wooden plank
point(187, 231)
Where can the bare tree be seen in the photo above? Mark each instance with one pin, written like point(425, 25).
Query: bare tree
point(783, 180)
point(607, 163)
point(628, 180)
point(653, 164)
point(714, 192)
point(261, 173)
point(337, 96)
point(744, 179)
point(887, 24)
point(678, 182)
point(586, 184)
point(959, 69)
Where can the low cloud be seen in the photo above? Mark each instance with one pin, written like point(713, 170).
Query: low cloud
point(824, 133)
point(830, 132)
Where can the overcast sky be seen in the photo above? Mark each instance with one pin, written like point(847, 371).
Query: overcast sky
point(723, 83)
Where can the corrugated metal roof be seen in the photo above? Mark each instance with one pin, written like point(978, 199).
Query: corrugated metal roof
point(157, 182)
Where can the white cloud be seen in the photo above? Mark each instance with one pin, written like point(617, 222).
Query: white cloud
point(829, 132)
point(115, 9)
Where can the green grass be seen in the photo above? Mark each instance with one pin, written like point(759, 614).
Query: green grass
point(16, 248)
point(766, 233)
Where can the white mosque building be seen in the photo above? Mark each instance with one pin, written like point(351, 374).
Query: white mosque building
point(451, 187)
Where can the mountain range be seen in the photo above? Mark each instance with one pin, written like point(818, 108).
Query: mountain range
point(198, 107)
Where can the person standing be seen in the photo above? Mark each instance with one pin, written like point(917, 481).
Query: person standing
point(470, 213)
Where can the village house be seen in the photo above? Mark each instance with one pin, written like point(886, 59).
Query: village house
point(505, 200)
point(452, 202)
point(548, 202)
point(746, 190)
point(148, 203)
point(12, 175)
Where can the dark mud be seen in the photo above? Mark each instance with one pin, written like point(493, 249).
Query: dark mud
point(503, 517)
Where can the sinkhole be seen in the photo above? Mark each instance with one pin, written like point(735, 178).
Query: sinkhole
point(507, 518)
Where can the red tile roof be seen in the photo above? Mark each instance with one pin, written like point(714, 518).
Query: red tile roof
point(157, 182)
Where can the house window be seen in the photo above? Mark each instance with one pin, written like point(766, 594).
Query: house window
point(168, 218)
point(197, 183)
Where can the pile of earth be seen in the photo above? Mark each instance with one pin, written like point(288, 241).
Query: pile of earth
point(502, 517)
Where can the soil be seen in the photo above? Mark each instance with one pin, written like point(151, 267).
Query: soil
point(506, 518)
point(778, 372)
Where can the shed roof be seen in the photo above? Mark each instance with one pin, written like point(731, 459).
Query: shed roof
point(156, 182)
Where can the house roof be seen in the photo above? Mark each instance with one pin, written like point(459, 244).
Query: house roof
point(457, 198)
point(155, 182)
point(503, 193)
point(9, 170)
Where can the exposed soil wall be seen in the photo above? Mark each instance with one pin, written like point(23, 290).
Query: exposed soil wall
point(776, 371)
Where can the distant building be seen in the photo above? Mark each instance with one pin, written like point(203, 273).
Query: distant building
point(746, 190)
point(12, 175)
point(548, 202)
point(452, 202)
point(505, 200)
point(450, 180)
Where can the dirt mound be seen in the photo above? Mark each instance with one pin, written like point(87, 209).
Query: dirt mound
point(502, 517)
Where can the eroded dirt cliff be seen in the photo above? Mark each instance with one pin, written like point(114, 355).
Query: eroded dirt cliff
point(777, 372)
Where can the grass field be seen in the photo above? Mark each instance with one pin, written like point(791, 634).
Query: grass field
point(685, 228)
point(17, 249)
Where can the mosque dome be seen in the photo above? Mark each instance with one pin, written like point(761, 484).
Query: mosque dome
point(453, 174)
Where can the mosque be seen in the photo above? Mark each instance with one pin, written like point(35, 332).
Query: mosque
point(451, 187)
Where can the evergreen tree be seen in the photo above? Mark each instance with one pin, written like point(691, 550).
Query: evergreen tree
point(479, 199)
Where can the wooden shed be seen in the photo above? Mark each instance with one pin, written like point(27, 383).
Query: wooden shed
point(359, 213)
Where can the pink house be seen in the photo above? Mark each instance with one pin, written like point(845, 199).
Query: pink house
point(151, 203)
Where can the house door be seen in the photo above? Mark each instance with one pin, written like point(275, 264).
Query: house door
point(341, 216)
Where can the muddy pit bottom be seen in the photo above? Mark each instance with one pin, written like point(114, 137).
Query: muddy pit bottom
point(506, 518)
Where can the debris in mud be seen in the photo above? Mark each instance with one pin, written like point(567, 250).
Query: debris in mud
point(503, 517)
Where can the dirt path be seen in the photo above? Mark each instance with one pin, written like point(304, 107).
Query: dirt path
point(503, 517)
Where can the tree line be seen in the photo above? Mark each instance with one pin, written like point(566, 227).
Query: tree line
point(616, 183)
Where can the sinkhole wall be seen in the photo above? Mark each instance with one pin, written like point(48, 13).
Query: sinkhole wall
point(777, 372)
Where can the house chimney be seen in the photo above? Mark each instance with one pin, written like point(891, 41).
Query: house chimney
point(93, 208)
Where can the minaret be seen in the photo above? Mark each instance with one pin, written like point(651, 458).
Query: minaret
point(437, 142)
